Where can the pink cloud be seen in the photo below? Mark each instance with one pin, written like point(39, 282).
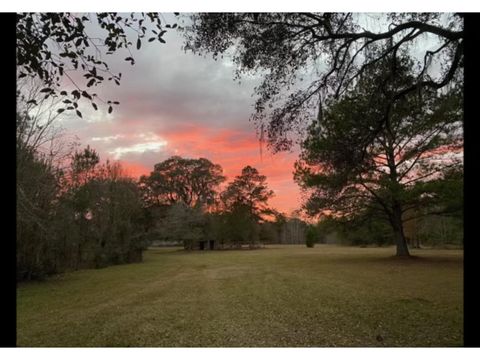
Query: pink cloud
point(233, 150)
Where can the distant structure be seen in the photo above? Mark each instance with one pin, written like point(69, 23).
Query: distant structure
point(206, 245)
point(293, 232)
point(218, 245)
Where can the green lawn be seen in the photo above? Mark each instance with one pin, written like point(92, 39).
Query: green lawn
point(279, 296)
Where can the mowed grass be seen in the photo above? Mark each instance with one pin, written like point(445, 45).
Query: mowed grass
point(279, 296)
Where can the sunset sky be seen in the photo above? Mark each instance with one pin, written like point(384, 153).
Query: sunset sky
point(177, 103)
point(173, 102)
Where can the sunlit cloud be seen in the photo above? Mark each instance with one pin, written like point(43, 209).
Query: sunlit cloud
point(108, 138)
point(176, 103)
point(156, 146)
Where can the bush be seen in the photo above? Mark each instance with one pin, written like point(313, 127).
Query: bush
point(310, 237)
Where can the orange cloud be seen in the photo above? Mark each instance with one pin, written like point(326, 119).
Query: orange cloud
point(233, 150)
point(135, 170)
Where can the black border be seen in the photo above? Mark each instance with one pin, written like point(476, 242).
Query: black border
point(471, 189)
point(8, 313)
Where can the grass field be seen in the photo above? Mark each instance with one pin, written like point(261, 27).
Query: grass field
point(279, 296)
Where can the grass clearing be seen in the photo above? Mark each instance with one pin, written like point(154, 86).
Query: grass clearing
point(279, 296)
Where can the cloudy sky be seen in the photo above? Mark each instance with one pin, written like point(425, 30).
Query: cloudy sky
point(173, 102)
point(177, 103)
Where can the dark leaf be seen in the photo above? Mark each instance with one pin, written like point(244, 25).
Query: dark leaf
point(94, 106)
point(110, 109)
point(60, 111)
point(87, 95)
point(79, 113)
point(139, 43)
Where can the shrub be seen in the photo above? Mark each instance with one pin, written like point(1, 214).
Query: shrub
point(310, 237)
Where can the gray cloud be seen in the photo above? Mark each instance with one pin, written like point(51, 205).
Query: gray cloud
point(166, 89)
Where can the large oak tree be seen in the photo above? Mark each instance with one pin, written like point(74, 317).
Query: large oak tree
point(329, 52)
point(193, 182)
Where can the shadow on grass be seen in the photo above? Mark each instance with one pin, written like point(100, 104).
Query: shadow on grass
point(413, 260)
point(182, 251)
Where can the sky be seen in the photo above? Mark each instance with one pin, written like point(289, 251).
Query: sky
point(173, 102)
point(177, 103)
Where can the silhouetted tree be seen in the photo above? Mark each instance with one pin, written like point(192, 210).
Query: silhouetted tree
point(249, 191)
point(393, 175)
point(191, 181)
point(184, 224)
point(41, 149)
point(36, 190)
point(52, 46)
point(84, 166)
point(334, 50)
point(106, 213)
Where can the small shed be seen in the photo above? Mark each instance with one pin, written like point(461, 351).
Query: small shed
point(205, 245)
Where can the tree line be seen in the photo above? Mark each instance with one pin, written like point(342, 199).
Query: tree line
point(184, 194)
point(74, 211)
